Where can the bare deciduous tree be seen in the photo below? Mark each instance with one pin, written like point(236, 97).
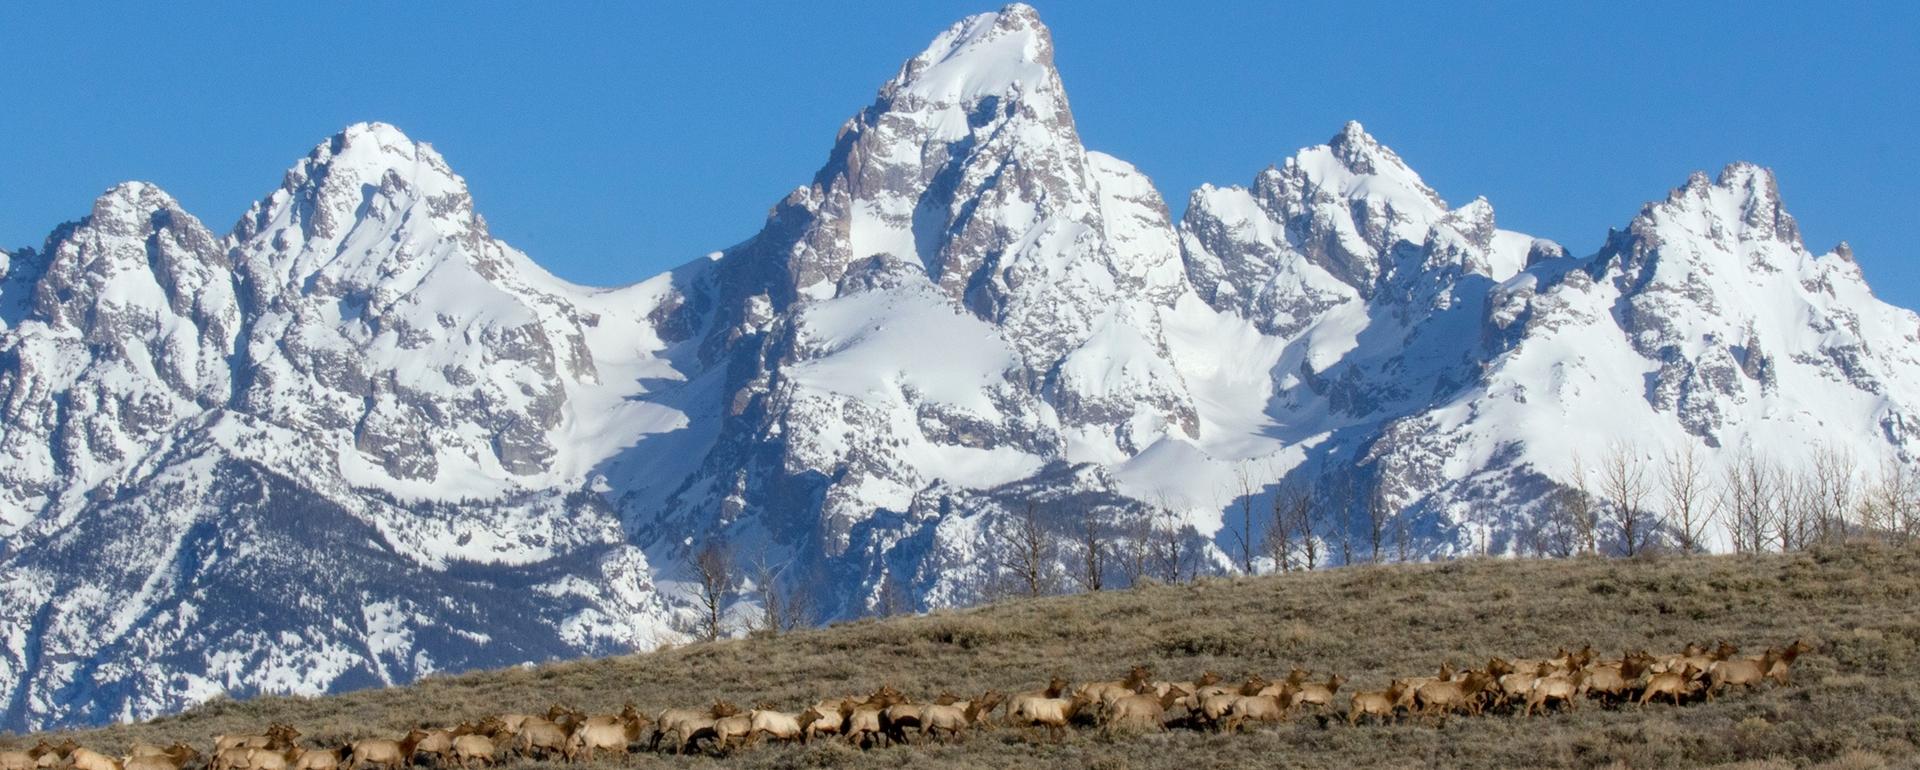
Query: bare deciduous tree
point(1341, 503)
point(1029, 551)
point(1623, 481)
point(1888, 505)
point(1905, 495)
point(1747, 498)
point(1304, 508)
point(712, 568)
point(1553, 533)
point(781, 609)
point(1831, 493)
point(1576, 504)
point(1289, 506)
point(1379, 513)
point(1793, 508)
point(1687, 511)
point(1095, 549)
point(1243, 537)
point(1170, 543)
point(1134, 552)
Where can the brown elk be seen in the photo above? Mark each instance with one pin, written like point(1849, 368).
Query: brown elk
point(1781, 670)
point(1378, 704)
point(277, 736)
point(477, 748)
point(1315, 694)
point(604, 734)
point(824, 718)
point(314, 759)
point(88, 759)
point(1557, 688)
point(864, 724)
point(953, 719)
point(1255, 708)
point(685, 724)
point(1745, 672)
point(1610, 682)
point(146, 756)
point(774, 725)
point(1142, 710)
point(379, 752)
point(1440, 698)
point(1056, 687)
point(1108, 692)
point(1675, 684)
point(46, 755)
point(1050, 713)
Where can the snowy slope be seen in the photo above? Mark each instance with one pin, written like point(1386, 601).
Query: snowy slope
point(358, 440)
point(358, 393)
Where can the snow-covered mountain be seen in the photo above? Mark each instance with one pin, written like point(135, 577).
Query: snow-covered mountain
point(357, 439)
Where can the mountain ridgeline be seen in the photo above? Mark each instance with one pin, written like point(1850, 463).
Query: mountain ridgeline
point(357, 439)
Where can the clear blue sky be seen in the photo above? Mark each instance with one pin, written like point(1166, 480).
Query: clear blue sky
point(613, 140)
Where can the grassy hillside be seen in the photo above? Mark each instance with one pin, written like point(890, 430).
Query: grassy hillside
point(1855, 701)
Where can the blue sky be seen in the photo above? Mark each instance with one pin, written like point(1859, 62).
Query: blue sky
point(613, 140)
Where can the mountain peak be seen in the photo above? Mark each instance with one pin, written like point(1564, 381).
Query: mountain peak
point(1743, 192)
point(130, 207)
point(369, 151)
point(1356, 164)
point(988, 54)
point(368, 169)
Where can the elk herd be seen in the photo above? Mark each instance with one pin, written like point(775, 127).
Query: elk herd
point(1523, 687)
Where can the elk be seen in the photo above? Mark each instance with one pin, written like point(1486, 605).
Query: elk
point(379, 752)
point(823, 718)
point(277, 736)
point(1556, 688)
point(1295, 679)
point(1378, 704)
point(1672, 683)
point(1055, 688)
point(1258, 708)
point(775, 725)
point(1051, 713)
point(685, 724)
point(953, 719)
point(149, 757)
point(602, 733)
point(476, 748)
point(1609, 682)
point(1107, 692)
point(1313, 694)
point(433, 744)
point(1207, 679)
point(900, 717)
point(540, 735)
point(88, 759)
point(1746, 672)
point(726, 730)
point(1142, 710)
point(1781, 670)
point(1443, 697)
point(314, 759)
point(864, 725)
point(1409, 695)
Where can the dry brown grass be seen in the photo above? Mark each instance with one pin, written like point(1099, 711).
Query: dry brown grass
point(1855, 702)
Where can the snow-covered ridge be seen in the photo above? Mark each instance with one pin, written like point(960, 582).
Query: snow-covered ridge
point(357, 439)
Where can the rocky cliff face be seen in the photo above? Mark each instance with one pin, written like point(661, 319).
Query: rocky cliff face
point(357, 439)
